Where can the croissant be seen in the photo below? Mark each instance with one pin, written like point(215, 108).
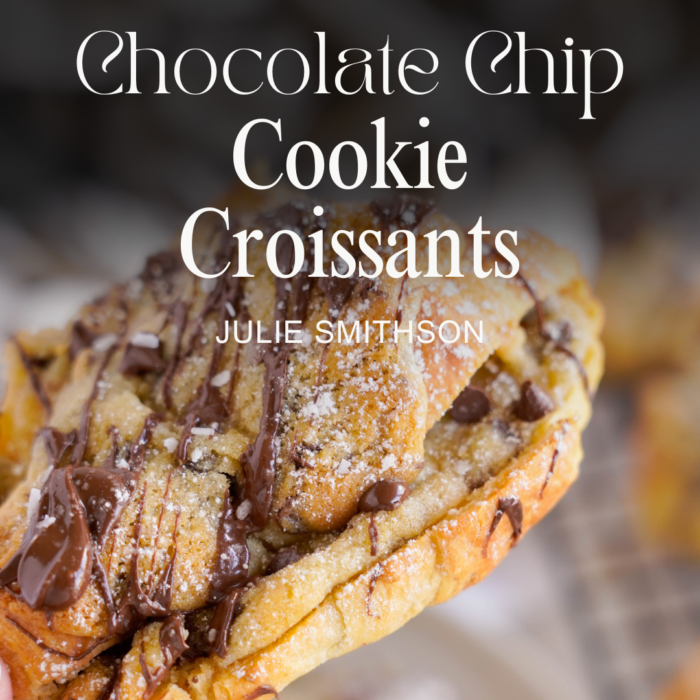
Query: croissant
point(196, 519)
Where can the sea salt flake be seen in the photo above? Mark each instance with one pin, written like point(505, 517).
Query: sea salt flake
point(388, 462)
point(170, 444)
point(206, 432)
point(221, 379)
point(196, 454)
point(145, 340)
point(104, 342)
point(244, 510)
point(123, 464)
point(33, 503)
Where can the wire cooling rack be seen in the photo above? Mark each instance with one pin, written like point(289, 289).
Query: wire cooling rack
point(636, 614)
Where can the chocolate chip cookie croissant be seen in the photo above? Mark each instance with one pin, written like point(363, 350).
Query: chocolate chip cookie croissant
point(199, 519)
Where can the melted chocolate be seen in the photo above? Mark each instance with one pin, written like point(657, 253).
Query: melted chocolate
point(136, 607)
point(138, 360)
point(104, 492)
point(56, 444)
point(56, 564)
point(384, 495)
point(220, 625)
point(513, 509)
point(172, 645)
point(284, 558)
point(231, 566)
point(471, 406)
point(81, 337)
point(178, 315)
point(535, 403)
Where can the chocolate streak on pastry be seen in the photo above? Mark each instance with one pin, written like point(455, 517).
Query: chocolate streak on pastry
point(110, 686)
point(94, 644)
point(37, 386)
point(209, 406)
point(384, 495)
point(402, 212)
point(291, 303)
point(555, 457)
point(374, 576)
point(220, 625)
point(85, 415)
point(231, 566)
point(81, 337)
point(177, 314)
point(56, 563)
point(172, 645)
point(135, 606)
point(261, 692)
point(513, 508)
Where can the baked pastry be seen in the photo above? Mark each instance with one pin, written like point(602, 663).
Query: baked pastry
point(667, 477)
point(650, 286)
point(206, 520)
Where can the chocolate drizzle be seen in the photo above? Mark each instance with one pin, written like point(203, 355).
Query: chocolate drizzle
point(177, 314)
point(262, 691)
point(30, 369)
point(81, 337)
point(513, 509)
point(555, 458)
point(220, 624)
point(172, 645)
point(231, 566)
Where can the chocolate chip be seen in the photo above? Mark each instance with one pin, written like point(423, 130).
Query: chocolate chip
point(384, 495)
point(534, 403)
point(284, 558)
point(139, 360)
point(471, 405)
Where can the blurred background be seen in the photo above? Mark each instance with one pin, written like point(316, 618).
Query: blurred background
point(603, 599)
